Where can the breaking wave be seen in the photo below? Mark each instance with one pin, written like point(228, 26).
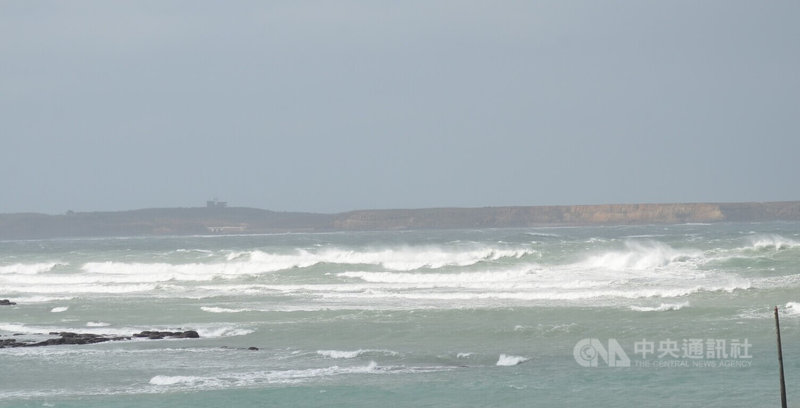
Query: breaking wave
point(772, 241)
point(793, 308)
point(507, 360)
point(29, 269)
point(222, 310)
point(346, 354)
point(641, 256)
point(289, 376)
point(661, 308)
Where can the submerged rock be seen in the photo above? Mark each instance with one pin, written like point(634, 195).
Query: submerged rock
point(6, 302)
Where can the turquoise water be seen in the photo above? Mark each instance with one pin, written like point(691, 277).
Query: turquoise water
point(421, 318)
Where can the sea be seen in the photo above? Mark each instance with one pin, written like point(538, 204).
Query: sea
point(605, 316)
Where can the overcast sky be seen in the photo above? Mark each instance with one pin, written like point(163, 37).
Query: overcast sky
point(329, 106)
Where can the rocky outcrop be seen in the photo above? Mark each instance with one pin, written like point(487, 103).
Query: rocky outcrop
point(90, 338)
point(6, 302)
point(157, 335)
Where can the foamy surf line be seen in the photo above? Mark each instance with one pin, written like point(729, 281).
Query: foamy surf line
point(212, 309)
point(30, 268)
point(660, 308)
point(161, 383)
point(347, 354)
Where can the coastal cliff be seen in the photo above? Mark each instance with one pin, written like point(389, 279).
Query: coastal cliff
point(233, 220)
point(503, 217)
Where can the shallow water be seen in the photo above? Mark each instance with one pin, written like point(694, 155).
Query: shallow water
point(417, 318)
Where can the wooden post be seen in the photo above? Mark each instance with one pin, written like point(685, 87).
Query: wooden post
point(780, 359)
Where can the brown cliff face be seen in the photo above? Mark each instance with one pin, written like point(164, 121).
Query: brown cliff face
point(499, 217)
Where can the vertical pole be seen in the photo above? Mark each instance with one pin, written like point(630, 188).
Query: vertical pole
point(780, 359)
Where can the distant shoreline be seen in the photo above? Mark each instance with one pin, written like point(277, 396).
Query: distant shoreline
point(240, 220)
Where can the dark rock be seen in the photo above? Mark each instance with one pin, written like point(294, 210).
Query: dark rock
point(6, 302)
point(191, 334)
point(157, 335)
point(91, 338)
point(253, 348)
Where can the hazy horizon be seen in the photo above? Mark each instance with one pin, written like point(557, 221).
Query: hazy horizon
point(234, 206)
point(337, 106)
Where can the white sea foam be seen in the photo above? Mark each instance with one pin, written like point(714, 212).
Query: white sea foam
point(97, 324)
point(772, 241)
point(224, 331)
point(41, 299)
point(463, 277)
point(63, 289)
point(259, 262)
point(59, 309)
point(464, 355)
point(640, 256)
point(792, 308)
point(661, 308)
point(222, 310)
point(176, 379)
point(29, 269)
point(339, 353)
point(31, 329)
point(507, 360)
point(345, 354)
point(244, 379)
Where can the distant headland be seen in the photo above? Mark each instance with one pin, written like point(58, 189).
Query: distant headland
point(219, 218)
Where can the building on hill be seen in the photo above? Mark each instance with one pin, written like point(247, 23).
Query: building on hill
point(216, 204)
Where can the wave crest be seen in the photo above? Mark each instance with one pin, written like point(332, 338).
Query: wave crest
point(30, 269)
point(772, 241)
point(507, 360)
point(660, 308)
point(640, 256)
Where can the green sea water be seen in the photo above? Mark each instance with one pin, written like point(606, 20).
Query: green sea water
point(681, 315)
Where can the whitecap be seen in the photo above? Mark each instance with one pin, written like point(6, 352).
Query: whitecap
point(30, 269)
point(243, 379)
point(660, 308)
point(174, 379)
point(222, 310)
point(59, 309)
point(639, 256)
point(339, 353)
point(792, 308)
point(225, 331)
point(507, 360)
point(346, 354)
point(772, 241)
